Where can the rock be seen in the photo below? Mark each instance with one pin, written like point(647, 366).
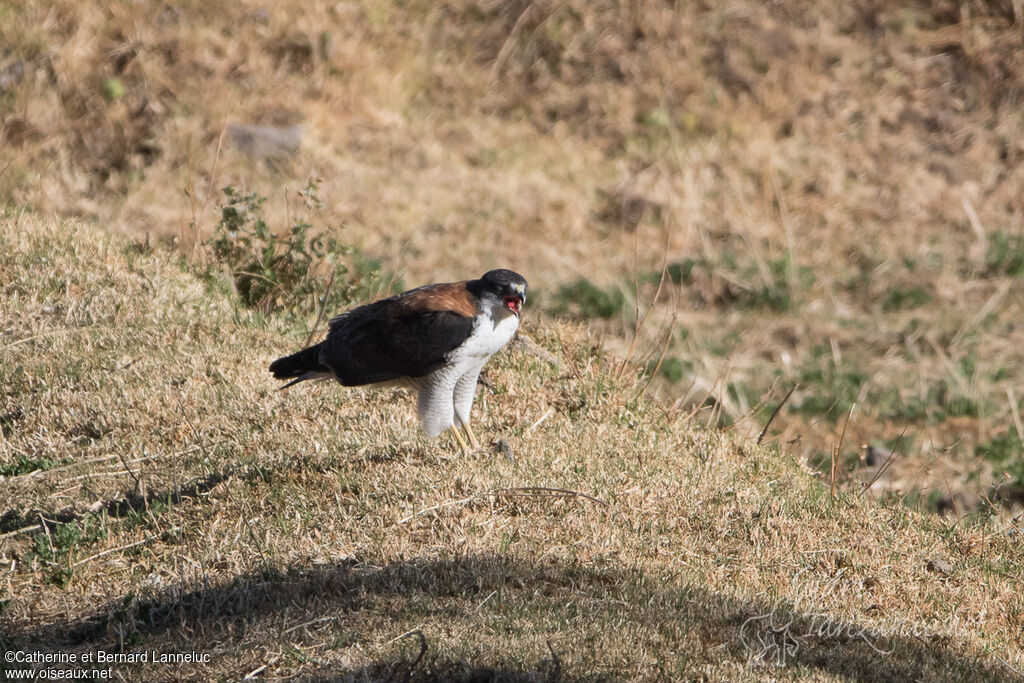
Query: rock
point(626, 208)
point(11, 75)
point(958, 503)
point(873, 455)
point(1010, 495)
point(504, 448)
point(265, 142)
point(17, 131)
point(939, 566)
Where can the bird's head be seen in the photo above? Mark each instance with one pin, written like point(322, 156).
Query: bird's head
point(503, 285)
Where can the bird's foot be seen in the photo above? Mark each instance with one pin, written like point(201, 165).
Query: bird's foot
point(472, 437)
point(466, 450)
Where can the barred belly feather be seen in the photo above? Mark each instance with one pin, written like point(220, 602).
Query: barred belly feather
point(446, 395)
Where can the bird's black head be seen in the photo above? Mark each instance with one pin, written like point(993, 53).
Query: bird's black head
point(504, 285)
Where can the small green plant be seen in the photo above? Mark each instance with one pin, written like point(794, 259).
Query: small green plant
point(1001, 449)
point(961, 406)
point(910, 298)
point(681, 272)
point(777, 293)
point(296, 270)
point(747, 287)
point(1005, 255)
point(894, 406)
point(673, 369)
point(113, 89)
point(831, 392)
point(585, 299)
point(53, 549)
point(26, 464)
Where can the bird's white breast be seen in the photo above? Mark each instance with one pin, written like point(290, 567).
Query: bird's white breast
point(492, 329)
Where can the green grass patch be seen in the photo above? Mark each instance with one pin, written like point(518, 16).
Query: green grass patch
point(1006, 453)
point(830, 392)
point(893, 406)
point(53, 549)
point(583, 299)
point(672, 368)
point(735, 281)
point(26, 464)
point(905, 298)
point(1005, 255)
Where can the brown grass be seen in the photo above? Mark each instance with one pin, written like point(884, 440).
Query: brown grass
point(173, 501)
point(842, 176)
point(835, 189)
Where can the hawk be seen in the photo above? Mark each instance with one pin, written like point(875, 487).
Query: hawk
point(434, 339)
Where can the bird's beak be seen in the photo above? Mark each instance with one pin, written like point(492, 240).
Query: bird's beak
point(514, 302)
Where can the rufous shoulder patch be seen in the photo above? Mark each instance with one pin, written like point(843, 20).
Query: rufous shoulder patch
point(448, 296)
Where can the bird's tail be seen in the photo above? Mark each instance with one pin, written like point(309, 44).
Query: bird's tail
point(300, 366)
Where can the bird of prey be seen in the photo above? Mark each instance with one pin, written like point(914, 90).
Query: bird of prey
point(434, 339)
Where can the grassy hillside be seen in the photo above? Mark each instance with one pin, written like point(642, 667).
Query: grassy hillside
point(834, 188)
point(159, 495)
point(812, 205)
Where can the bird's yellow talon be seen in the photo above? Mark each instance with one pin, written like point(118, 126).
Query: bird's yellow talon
point(462, 442)
point(472, 437)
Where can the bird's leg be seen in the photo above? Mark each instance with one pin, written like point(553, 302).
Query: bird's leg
point(472, 437)
point(462, 442)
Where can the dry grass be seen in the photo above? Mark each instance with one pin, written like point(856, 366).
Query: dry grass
point(837, 185)
point(834, 190)
point(166, 498)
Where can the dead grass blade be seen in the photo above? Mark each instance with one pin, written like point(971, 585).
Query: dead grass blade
point(320, 313)
point(547, 413)
point(641, 321)
point(439, 506)
point(197, 220)
point(309, 623)
point(893, 454)
point(407, 674)
point(255, 672)
point(108, 551)
point(21, 530)
point(838, 449)
point(775, 412)
point(1015, 414)
point(43, 335)
point(661, 355)
point(546, 491)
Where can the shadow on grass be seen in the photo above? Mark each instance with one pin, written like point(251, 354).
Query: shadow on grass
point(580, 607)
point(132, 502)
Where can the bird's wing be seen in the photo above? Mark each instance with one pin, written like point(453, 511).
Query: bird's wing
point(408, 335)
